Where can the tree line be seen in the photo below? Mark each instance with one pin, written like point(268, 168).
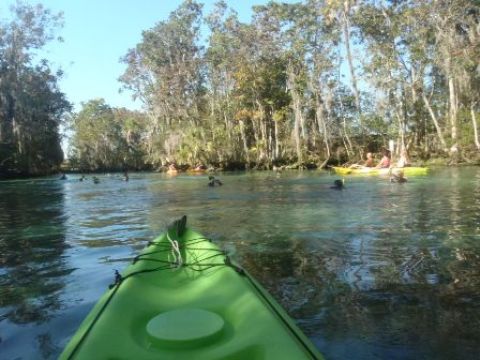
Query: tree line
point(305, 84)
point(309, 83)
point(32, 106)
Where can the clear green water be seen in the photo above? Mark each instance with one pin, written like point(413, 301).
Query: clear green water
point(377, 271)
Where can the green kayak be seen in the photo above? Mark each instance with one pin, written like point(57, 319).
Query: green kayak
point(182, 298)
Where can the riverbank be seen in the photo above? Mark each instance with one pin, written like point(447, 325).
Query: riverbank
point(472, 159)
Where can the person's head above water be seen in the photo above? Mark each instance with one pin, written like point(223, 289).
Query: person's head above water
point(398, 177)
point(338, 184)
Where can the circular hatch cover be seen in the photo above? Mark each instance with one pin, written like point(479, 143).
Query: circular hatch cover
point(184, 326)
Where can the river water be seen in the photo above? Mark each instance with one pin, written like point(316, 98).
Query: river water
point(376, 271)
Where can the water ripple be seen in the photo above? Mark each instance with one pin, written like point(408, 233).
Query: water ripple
point(378, 270)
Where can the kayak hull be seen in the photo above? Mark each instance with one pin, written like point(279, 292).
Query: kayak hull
point(407, 171)
point(151, 310)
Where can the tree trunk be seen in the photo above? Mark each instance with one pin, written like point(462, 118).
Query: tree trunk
point(296, 128)
point(227, 122)
point(346, 37)
point(435, 122)
point(402, 119)
point(244, 140)
point(7, 125)
point(349, 148)
point(453, 113)
point(255, 134)
point(475, 128)
point(322, 127)
point(297, 113)
point(277, 147)
point(348, 145)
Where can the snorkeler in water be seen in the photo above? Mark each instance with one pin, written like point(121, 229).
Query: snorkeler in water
point(212, 181)
point(338, 185)
point(398, 177)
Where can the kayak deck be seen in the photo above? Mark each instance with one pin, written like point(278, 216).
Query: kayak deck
point(207, 308)
point(407, 171)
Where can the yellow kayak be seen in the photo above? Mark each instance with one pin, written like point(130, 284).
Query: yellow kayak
point(407, 171)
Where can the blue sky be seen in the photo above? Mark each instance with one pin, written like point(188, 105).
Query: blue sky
point(98, 33)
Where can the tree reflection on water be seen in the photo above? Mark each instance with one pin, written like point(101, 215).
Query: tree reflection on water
point(406, 293)
point(31, 246)
point(378, 271)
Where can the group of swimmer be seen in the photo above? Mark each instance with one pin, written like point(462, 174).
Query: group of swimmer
point(212, 181)
point(368, 163)
point(95, 179)
point(172, 169)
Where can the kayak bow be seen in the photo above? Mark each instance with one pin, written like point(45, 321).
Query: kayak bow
point(182, 298)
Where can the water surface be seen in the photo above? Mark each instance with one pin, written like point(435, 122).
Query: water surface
point(377, 271)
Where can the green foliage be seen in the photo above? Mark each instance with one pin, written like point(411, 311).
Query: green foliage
point(31, 105)
point(106, 138)
point(274, 90)
point(270, 91)
point(377, 125)
point(466, 129)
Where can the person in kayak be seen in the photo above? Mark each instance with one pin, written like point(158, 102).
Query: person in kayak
point(386, 160)
point(368, 163)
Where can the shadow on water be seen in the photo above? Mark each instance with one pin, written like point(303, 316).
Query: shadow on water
point(32, 268)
